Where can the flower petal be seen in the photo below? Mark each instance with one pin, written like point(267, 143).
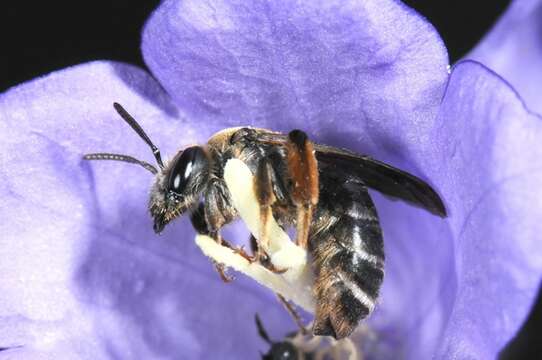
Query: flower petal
point(82, 273)
point(461, 288)
point(487, 163)
point(360, 69)
point(513, 48)
point(365, 75)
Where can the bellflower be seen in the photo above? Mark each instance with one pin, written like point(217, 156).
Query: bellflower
point(83, 276)
point(513, 48)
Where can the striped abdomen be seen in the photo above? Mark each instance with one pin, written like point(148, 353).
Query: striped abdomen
point(348, 257)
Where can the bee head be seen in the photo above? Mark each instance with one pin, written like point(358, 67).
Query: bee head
point(178, 186)
point(284, 350)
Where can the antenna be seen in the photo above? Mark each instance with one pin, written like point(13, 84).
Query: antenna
point(137, 128)
point(119, 157)
point(126, 158)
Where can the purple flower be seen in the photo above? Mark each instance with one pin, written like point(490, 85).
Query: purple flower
point(82, 275)
point(513, 48)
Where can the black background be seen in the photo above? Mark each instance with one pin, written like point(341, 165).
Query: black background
point(40, 37)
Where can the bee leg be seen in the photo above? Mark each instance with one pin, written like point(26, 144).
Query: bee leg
point(303, 170)
point(218, 211)
point(221, 269)
point(265, 189)
point(253, 247)
point(199, 222)
point(308, 342)
point(253, 244)
point(262, 257)
point(304, 218)
point(241, 251)
point(265, 261)
point(295, 315)
point(263, 186)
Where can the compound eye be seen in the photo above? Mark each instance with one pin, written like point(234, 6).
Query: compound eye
point(188, 165)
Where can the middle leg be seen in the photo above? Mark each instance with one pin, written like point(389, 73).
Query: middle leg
point(197, 217)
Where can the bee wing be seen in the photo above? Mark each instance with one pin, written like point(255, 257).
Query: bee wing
point(382, 177)
point(375, 174)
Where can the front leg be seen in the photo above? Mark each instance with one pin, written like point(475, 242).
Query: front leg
point(200, 225)
point(218, 206)
point(294, 284)
point(218, 211)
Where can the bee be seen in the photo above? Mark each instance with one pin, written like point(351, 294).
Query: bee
point(321, 191)
point(281, 350)
point(302, 346)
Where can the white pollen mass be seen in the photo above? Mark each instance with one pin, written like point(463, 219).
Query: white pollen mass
point(296, 283)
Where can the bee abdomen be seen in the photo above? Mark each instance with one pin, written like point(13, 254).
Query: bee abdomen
point(349, 267)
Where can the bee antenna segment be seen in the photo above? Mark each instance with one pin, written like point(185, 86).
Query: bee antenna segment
point(119, 157)
point(139, 130)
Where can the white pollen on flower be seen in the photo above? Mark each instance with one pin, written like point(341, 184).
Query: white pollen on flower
point(296, 283)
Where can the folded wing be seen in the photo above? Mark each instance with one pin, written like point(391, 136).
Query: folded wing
point(381, 177)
